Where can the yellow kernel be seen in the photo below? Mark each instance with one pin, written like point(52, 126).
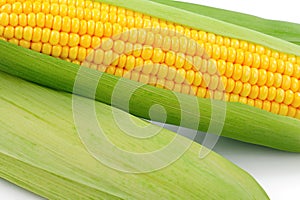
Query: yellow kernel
point(277, 80)
point(294, 84)
point(36, 46)
point(231, 54)
point(258, 103)
point(46, 49)
point(157, 55)
point(273, 65)
point(49, 21)
point(223, 53)
point(237, 72)
point(246, 90)
point(280, 66)
point(147, 52)
point(280, 94)
point(289, 69)
point(17, 8)
point(82, 27)
point(229, 69)
point(283, 109)
point(296, 73)
point(262, 77)
point(4, 19)
point(74, 40)
point(201, 92)
point(238, 87)
point(73, 53)
point(56, 50)
point(263, 93)
point(27, 7)
point(85, 41)
point(254, 92)
point(266, 105)
point(9, 32)
point(234, 98)
point(286, 82)
point(256, 60)
point(14, 41)
point(248, 60)
point(37, 34)
point(291, 111)
point(54, 37)
point(57, 22)
point(197, 79)
point(240, 55)
point(289, 97)
point(296, 101)
point(65, 52)
point(230, 85)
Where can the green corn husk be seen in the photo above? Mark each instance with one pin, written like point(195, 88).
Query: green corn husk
point(242, 122)
point(280, 29)
point(40, 150)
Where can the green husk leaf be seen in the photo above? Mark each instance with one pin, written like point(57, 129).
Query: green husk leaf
point(205, 23)
point(242, 122)
point(280, 29)
point(40, 150)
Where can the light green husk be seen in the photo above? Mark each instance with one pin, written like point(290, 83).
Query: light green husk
point(41, 151)
point(242, 122)
point(280, 29)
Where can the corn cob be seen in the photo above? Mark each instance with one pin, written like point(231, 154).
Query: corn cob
point(248, 67)
point(40, 150)
point(209, 65)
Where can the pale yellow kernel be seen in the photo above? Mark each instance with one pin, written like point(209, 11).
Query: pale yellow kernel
point(171, 73)
point(108, 58)
point(197, 79)
point(180, 76)
point(98, 56)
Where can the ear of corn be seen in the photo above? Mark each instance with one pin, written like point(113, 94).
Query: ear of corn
point(41, 151)
point(285, 30)
point(242, 122)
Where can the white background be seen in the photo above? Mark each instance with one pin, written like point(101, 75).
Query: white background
point(278, 172)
